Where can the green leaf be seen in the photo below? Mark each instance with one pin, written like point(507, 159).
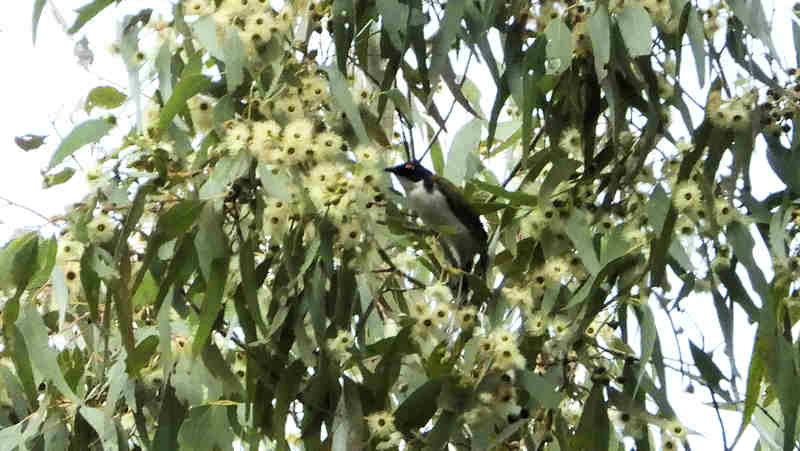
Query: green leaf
point(777, 231)
point(38, 7)
point(42, 355)
point(206, 427)
point(178, 219)
point(211, 241)
point(62, 176)
point(170, 420)
point(443, 431)
point(559, 46)
point(344, 21)
point(21, 357)
point(230, 50)
point(742, 243)
point(235, 59)
point(45, 261)
point(635, 25)
point(141, 355)
point(516, 197)
point(348, 423)
point(106, 97)
point(751, 13)
point(88, 132)
point(465, 143)
point(87, 12)
point(559, 173)
point(786, 384)
point(343, 98)
point(215, 289)
point(275, 184)
point(708, 369)
point(419, 407)
point(543, 390)
point(188, 86)
point(796, 37)
point(226, 171)
point(395, 17)
point(285, 392)
point(600, 32)
point(445, 36)
point(578, 231)
point(755, 375)
point(24, 260)
point(594, 428)
point(647, 324)
point(697, 40)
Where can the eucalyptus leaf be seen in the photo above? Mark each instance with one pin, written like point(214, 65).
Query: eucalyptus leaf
point(559, 46)
point(635, 25)
point(599, 27)
point(87, 12)
point(106, 97)
point(88, 132)
point(465, 143)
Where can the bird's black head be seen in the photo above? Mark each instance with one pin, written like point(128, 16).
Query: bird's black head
point(410, 170)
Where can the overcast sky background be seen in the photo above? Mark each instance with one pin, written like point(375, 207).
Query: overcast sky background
point(43, 90)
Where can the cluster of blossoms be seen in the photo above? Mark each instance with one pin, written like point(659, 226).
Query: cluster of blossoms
point(294, 133)
point(437, 318)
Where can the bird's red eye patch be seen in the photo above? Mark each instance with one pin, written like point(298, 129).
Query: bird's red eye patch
point(408, 166)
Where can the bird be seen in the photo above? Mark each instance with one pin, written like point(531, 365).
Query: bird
point(441, 205)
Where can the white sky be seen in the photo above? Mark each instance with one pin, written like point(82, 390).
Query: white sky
point(43, 86)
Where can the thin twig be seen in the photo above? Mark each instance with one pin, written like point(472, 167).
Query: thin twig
point(28, 209)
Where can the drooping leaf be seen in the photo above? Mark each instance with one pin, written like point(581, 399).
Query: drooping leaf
point(284, 393)
point(560, 46)
point(141, 355)
point(170, 420)
point(600, 32)
point(341, 94)
point(348, 423)
point(178, 219)
point(697, 41)
point(207, 427)
point(594, 428)
point(465, 143)
point(578, 231)
point(189, 85)
point(751, 13)
point(43, 356)
point(419, 407)
point(88, 132)
point(62, 176)
point(87, 13)
point(38, 7)
point(212, 303)
point(453, 13)
point(635, 25)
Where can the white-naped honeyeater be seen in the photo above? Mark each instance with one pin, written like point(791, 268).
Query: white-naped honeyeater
point(442, 206)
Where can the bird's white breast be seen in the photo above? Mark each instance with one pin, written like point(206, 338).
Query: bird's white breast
point(432, 208)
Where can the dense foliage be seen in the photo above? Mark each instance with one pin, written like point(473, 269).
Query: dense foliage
point(242, 272)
